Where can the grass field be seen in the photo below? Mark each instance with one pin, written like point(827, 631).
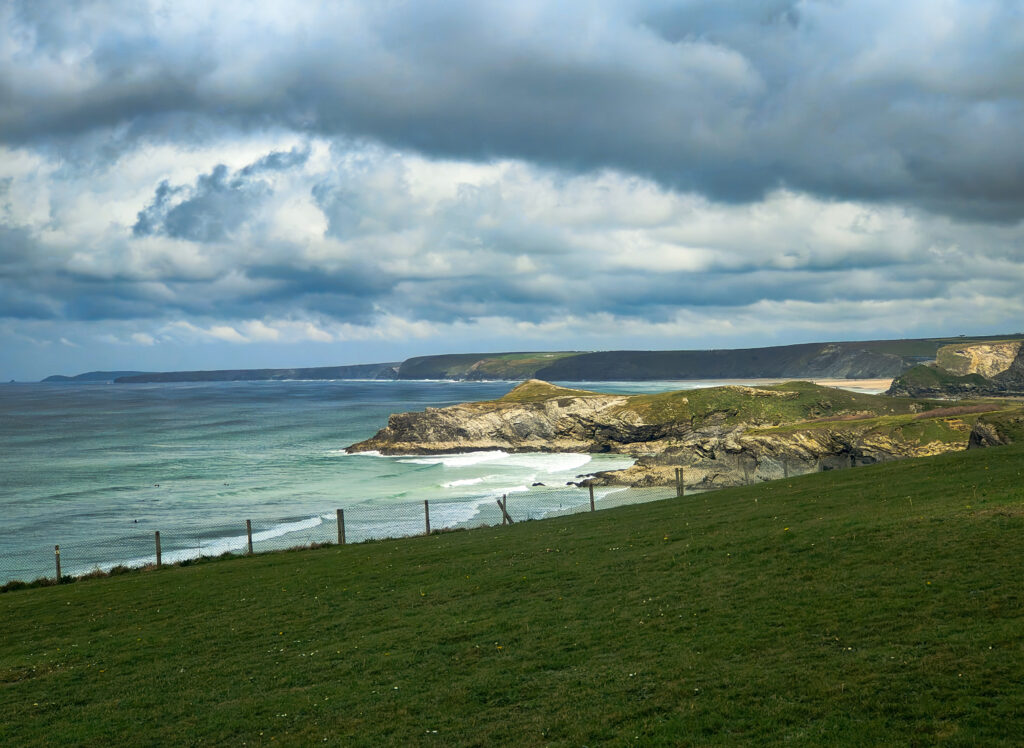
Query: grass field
point(879, 605)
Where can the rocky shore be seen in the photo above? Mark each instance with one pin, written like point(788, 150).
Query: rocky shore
point(720, 436)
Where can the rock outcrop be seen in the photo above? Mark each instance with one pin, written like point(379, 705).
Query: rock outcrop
point(720, 436)
point(990, 369)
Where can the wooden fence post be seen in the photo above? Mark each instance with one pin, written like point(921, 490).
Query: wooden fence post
point(159, 558)
point(341, 527)
point(56, 555)
point(426, 515)
point(785, 469)
point(506, 518)
point(248, 533)
point(591, 487)
point(680, 482)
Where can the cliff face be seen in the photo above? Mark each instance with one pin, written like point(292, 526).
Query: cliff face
point(967, 370)
point(849, 359)
point(721, 436)
point(358, 371)
point(987, 359)
point(740, 457)
point(558, 424)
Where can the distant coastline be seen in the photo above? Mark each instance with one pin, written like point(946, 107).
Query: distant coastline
point(822, 362)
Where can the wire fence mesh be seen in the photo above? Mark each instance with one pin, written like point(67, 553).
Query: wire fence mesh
point(352, 524)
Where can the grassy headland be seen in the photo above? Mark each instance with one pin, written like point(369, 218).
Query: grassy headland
point(880, 605)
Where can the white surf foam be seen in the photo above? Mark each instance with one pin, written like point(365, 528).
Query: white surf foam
point(509, 489)
point(558, 462)
point(468, 481)
point(453, 514)
point(457, 460)
point(217, 546)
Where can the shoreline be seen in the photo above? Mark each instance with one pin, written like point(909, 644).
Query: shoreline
point(870, 385)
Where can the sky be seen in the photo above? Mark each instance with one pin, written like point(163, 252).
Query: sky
point(195, 185)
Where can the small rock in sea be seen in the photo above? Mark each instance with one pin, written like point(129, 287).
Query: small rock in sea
point(538, 484)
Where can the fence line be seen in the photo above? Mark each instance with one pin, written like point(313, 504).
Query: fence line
point(355, 523)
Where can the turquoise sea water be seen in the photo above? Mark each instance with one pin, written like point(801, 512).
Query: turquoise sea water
point(97, 468)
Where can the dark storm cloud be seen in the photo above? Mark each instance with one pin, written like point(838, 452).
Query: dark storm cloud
point(215, 208)
point(909, 102)
point(217, 205)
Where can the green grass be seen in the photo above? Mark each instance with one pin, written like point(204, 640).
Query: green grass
point(946, 425)
point(879, 605)
point(781, 403)
point(929, 347)
point(495, 366)
point(515, 365)
point(786, 403)
point(536, 391)
point(936, 377)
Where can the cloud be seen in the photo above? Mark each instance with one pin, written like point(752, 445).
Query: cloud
point(398, 236)
point(607, 174)
point(218, 203)
point(910, 103)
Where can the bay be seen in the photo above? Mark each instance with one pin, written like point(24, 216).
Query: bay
point(97, 468)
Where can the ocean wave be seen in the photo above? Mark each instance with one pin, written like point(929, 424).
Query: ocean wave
point(542, 462)
point(468, 481)
point(513, 489)
point(453, 514)
point(225, 544)
point(457, 460)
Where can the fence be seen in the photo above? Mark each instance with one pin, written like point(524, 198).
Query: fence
point(353, 524)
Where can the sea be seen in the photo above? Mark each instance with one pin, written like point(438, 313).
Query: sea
point(98, 468)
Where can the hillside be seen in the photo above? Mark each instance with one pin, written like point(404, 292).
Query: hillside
point(844, 360)
point(993, 369)
point(92, 376)
point(359, 371)
point(721, 435)
point(874, 606)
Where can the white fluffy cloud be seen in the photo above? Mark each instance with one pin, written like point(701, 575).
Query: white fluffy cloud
point(358, 180)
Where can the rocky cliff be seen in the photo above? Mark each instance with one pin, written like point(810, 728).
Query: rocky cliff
point(990, 369)
point(720, 436)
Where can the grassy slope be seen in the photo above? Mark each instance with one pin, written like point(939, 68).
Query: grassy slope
point(803, 406)
point(659, 364)
point(935, 377)
point(786, 403)
point(496, 365)
point(797, 401)
point(929, 347)
point(536, 391)
point(867, 606)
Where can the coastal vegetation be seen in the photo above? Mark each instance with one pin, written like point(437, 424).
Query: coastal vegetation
point(967, 369)
point(720, 436)
point(871, 606)
point(845, 360)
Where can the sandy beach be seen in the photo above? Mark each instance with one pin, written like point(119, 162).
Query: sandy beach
point(860, 385)
point(871, 386)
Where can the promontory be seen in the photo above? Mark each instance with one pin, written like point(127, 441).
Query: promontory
point(720, 436)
